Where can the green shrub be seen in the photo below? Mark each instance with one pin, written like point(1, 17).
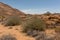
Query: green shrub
point(12, 21)
point(34, 23)
point(7, 37)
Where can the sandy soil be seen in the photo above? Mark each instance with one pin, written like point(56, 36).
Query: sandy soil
point(17, 33)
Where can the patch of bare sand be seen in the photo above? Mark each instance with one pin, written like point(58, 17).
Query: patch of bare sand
point(17, 33)
point(50, 32)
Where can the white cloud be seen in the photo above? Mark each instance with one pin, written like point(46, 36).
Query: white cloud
point(37, 11)
point(33, 11)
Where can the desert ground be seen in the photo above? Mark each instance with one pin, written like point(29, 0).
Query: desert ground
point(16, 33)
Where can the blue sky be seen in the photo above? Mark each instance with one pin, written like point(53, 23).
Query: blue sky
point(34, 6)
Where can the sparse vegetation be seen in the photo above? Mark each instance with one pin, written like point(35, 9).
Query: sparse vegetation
point(31, 23)
point(12, 21)
point(34, 23)
point(7, 37)
point(1, 18)
point(57, 29)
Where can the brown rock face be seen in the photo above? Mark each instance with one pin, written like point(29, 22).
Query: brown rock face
point(52, 20)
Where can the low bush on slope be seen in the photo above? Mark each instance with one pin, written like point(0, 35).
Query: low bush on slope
point(12, 21)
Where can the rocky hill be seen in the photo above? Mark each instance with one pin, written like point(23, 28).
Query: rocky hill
point(8, 10)
point(52, 20)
